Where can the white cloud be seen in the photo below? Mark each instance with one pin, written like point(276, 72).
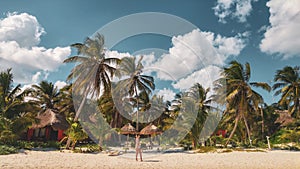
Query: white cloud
point(23, 28)
point(36, 77)
point(60, 84)
point(205, 77)
point(283, 35)
point(239, 9)
point(116, 54)
point(167, 94)
point(227, 46)
point(19, 38)
point(196, 50)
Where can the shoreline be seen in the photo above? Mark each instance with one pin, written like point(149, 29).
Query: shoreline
point(56, 159)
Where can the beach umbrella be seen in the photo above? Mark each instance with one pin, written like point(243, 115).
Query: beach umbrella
point(150, 130)
point(128, 129)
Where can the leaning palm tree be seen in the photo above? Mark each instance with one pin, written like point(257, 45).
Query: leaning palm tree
point(288, 85)
point(234, 89)
point(94, 71)
point(135, 82)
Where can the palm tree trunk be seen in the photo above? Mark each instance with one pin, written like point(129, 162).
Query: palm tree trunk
point(81, 104)
point(68, 143)
point(247, 129)
point(137, 111)
point(100, 143)
point(233, 130)
point(79, 109)
point(262, 123)
point(77, 115)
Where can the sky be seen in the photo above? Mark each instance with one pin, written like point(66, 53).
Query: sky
point(35, 38)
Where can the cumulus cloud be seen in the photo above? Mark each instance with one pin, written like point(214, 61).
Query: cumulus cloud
point(116, 54)
point(283, 35)
point(60, 84)
point(196, 50)
point(167, 94)
point(239, 9)
point(19, 38)
point(23, 28)
point(205, 77)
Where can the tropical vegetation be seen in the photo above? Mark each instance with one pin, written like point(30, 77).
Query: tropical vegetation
point(123, 93)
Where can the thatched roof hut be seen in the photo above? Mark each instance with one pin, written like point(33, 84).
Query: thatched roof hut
point(284, 118)
point(55, 120)
point(128, 129)
point(150, 130)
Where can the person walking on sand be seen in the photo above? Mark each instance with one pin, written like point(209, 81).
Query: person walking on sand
point(138, 149)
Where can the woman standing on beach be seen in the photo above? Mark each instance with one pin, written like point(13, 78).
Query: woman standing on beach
point(138, 149)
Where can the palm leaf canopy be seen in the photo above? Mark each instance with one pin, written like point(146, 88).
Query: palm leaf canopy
point(94, 70)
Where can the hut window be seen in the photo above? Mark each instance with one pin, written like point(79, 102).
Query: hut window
point(36, 132)
point(39, 132)
point(42, 132)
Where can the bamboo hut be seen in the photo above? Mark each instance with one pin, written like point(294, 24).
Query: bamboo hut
point(50, 126)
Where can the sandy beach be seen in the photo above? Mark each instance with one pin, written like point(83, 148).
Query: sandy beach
point(238, 160)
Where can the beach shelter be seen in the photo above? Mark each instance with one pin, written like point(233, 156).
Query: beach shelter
point(128, 129)
point(150, 130)
point(50, 126)
point(284, 118)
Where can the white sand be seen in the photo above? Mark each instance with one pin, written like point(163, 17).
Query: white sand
point(238, 160)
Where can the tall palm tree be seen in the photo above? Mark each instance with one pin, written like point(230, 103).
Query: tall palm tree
point(199, 96)
point(288, 85)
point(135, 82)
point(235, 90)
point(94, 71)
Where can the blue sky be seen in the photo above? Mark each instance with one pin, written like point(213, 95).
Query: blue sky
point(35, 37)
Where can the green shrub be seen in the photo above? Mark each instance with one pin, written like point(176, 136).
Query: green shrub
point(5, 149)
point(285, 136)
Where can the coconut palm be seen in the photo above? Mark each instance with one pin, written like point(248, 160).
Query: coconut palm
point(65, 104)
point(16, 114)
point(135, 82)
point(288, 85)
point(199, 96)
point(235, 90)
point(94, 71)
point(46, 95)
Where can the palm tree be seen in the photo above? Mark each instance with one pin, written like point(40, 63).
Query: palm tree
point(288, 85)
point(135, 82)
point(234, 89)
point(66, 104)
point(46, 95)
point(16, 114)
point(94, 70)
point(199, 96)
point(75, 133)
